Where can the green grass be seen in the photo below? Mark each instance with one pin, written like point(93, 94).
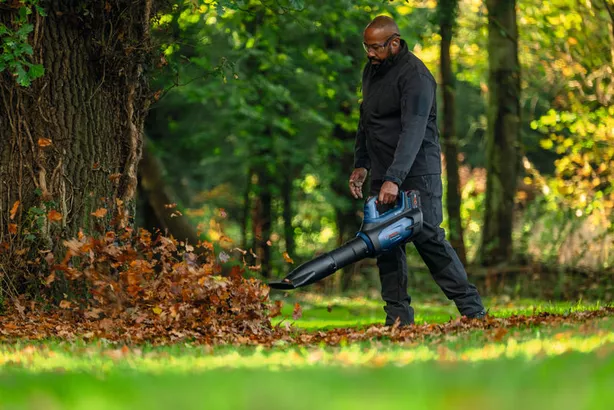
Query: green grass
point(567, 366)
point(324, 313)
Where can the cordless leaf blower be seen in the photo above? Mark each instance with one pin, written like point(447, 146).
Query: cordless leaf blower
point(378, 234)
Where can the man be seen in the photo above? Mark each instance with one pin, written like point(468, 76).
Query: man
point(398, 142)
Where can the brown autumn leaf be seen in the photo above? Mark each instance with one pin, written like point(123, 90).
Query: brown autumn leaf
point(287, 258)
point(65, 304)
point(14, 210)
point(499, 334)
point(115, 177)
point(100, 213)
point(54, 216)
point(44, 142)
point(13, 228)
point(297, 313)
point(276, 309)
point(50, 279)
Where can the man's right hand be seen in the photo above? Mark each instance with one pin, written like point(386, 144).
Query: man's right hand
point(358, 177)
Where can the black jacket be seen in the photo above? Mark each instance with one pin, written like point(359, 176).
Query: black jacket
point(397, 133)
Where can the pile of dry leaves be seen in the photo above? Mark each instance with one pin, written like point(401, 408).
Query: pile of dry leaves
point(154, 289)
point(148, 288)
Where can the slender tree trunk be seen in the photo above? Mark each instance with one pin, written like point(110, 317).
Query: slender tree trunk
point(261, 221)
point(287, 211)
point(503, 140)
point(160, 197)
point(447, 14)
point(246, 208)
point(71, 142)
point(346, 216)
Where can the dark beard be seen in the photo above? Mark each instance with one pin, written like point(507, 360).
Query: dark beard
point(381, 61)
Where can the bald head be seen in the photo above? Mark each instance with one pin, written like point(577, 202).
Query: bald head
point(383, 24)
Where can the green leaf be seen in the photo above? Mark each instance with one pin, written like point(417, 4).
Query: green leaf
point(24, 48)
point(36, 71)
point(297, 4)
point(41, 11)
point(22, 77)
point(219, 8)
point(24, 30)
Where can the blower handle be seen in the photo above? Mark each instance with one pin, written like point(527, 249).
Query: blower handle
point(371, 212)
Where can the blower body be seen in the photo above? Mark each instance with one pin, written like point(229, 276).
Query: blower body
point(377, 234)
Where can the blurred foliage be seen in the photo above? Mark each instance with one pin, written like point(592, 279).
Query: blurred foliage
point(249, 85)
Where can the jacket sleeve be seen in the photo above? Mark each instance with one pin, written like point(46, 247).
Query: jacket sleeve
point(417, 94)
point(361, 156)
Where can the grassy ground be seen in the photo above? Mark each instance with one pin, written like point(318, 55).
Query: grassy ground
point(568, 366)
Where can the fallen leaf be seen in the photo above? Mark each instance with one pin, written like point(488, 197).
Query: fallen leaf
point(157, 310)
point(65, 304)
point(54, 216)
point(276, 309)
point(50, 279)
point(224, 257)
point(297, 313)
point(115, 177)
point(287, 258)
point(499, 334)
point(14, 210)
point(13, 228)
point(44, 142)
point(100, 213)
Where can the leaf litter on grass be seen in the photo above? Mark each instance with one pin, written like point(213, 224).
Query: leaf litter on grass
point(146, 289)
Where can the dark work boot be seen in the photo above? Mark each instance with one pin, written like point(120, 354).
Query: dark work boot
point(480, 315)
point(402, 311)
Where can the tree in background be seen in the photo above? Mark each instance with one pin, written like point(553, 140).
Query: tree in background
point(503, 151)
point(448, 11)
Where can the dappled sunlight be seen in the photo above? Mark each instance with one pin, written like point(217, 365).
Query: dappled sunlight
point(525, 345)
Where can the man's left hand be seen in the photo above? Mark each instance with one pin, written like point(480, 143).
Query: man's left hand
point(388, 193)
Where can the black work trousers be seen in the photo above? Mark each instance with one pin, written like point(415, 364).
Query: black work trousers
point(436, 252)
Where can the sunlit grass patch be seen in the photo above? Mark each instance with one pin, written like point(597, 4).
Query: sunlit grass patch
point(321, 312)
point(494, 344)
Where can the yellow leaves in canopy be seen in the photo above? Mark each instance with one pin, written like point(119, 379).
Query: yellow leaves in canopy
point(546, 143)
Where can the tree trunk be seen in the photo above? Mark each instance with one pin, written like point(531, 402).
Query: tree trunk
point(345, 211)
point(287, 211)
point(503, 138)
point(71, 142)
point(246, 207)
point(261, 221)
point(160, 197)
point(447, 10)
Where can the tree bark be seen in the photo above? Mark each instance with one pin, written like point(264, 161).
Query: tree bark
point(503, 138)
point(71, 142)
point(447, 10)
